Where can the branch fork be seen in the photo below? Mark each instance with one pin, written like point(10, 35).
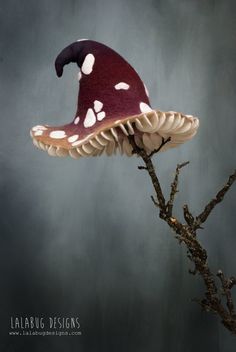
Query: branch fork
point(218, 296)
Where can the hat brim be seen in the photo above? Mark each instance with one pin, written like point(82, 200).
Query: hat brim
point(107, 137)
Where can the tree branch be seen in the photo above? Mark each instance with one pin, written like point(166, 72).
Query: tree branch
point(163, 142)
point(150, 169)
point(201, 218)
point(188, 216)
point(174, 188)
point(187, 234)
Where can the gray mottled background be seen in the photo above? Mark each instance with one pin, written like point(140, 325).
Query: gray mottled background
point(82, 237)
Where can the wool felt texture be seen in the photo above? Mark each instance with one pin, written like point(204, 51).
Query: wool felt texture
point(112, 103)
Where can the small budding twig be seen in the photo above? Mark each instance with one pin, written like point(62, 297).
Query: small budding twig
point(174, 188)
point(217, 300)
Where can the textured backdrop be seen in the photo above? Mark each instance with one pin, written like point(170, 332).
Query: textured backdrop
point(81, 237)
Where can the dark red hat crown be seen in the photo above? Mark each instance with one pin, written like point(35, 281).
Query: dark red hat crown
point(109, 87)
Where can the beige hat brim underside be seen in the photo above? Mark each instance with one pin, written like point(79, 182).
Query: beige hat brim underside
point(148, 129)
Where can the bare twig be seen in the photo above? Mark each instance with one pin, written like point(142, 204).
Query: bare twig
point(154, 201)
point(186, 233)
point(174, 186)
point(187, 215)
point(160, 147)
point(227, 284)
point(201, 218)
point(150, 168)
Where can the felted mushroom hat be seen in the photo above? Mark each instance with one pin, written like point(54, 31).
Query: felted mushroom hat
point(113, 103)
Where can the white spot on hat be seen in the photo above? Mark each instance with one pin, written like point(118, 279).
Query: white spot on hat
point(39, 127)
point(146, 90)
point(77, 120)
point(90, 118)
point(144, 107)
point(73, 138)
point(38, 133)
point(57, 134)
point(88, 63)
point(80, 40)
point(101, 115)
point(98, 105)
point(122, 85)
